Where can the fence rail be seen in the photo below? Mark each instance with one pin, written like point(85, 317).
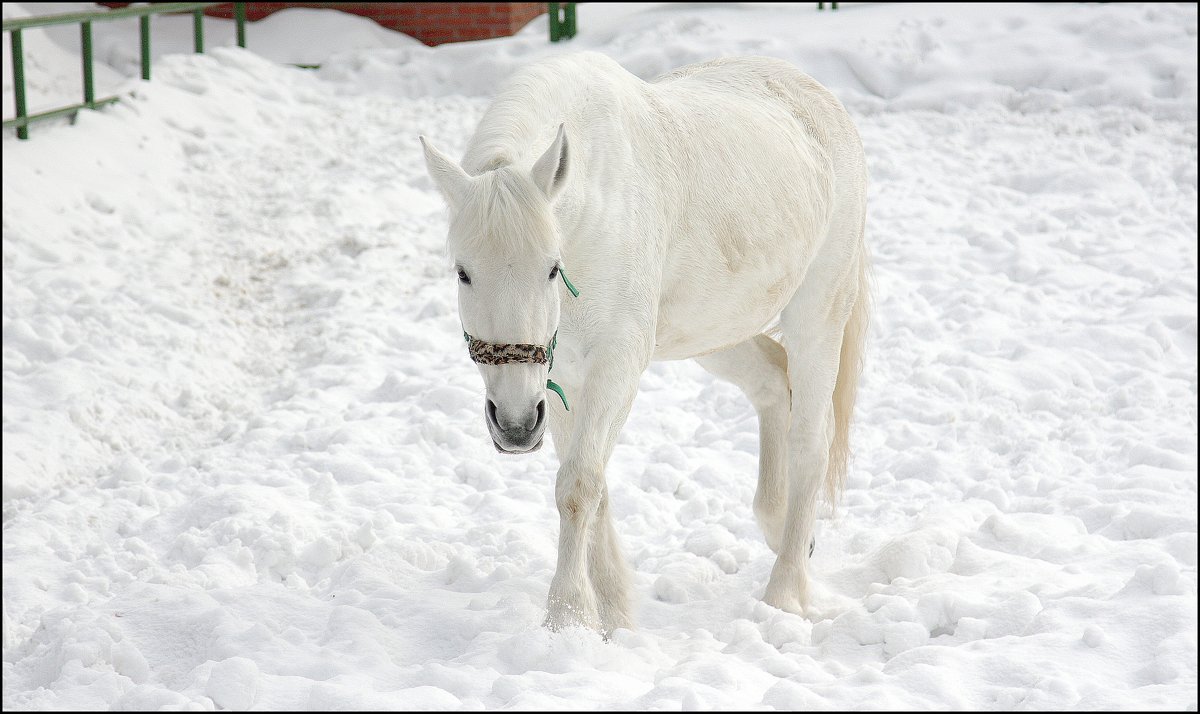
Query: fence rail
point(16, 25)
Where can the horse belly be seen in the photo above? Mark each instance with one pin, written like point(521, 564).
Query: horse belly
point(741, 256)
point(723, 309)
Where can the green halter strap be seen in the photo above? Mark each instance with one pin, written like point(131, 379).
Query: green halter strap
point(567, 282)
point(498, 353)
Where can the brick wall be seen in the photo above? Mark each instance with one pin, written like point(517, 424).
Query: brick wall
point(430, 22)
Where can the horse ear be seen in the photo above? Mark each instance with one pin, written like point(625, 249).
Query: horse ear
point(550, 171)
point(449, 177)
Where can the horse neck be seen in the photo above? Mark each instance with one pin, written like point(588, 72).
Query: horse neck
point(518, 126)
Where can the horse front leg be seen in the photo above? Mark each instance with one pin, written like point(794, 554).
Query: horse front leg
point(591, 583)
point(609, 572)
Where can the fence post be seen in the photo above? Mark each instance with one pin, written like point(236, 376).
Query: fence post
point(18, 63)
point(198, 30)
point(552, 13)
point(144, 30)
point(562, 20)
point(239, 14)
point(85, 39)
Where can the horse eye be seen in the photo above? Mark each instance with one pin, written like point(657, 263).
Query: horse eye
point(554, 272)
point(462, 276)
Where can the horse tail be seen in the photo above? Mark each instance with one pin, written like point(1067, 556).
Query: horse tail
point(845, 390)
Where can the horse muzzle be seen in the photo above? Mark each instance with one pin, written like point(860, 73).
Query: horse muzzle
point(516, 436)
point(530, 450)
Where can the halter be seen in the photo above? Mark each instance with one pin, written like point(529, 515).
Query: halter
point(502, 353)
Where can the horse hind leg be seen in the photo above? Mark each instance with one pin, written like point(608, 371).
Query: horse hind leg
point(823, 329)
point(758, 367)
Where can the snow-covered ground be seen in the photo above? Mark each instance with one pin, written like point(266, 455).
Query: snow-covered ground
point(245, 464)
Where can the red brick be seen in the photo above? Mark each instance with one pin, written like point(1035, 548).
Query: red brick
point(430, 22)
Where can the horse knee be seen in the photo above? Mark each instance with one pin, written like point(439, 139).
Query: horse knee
point(577, 491)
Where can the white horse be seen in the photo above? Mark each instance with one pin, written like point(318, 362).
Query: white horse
point(691, 212)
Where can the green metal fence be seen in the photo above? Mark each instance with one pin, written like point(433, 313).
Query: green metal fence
point(562, 26)
point(23, 119)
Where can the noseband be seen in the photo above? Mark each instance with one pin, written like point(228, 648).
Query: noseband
point(500, 353)
point(507, 353)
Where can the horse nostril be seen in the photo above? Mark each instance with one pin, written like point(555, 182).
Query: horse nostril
point(491, 412)
point(541, 413)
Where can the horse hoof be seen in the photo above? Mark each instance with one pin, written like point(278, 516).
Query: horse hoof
point(563, 613)
point(557, 622)
point(788, 602)
point(787, 589)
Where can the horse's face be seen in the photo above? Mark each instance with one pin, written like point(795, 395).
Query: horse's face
point(510, 302)
point(504, 244)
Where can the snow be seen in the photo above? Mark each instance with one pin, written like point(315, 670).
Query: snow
point(245, 464)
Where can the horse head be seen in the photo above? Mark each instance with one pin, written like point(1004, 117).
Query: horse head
point(505, 247)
